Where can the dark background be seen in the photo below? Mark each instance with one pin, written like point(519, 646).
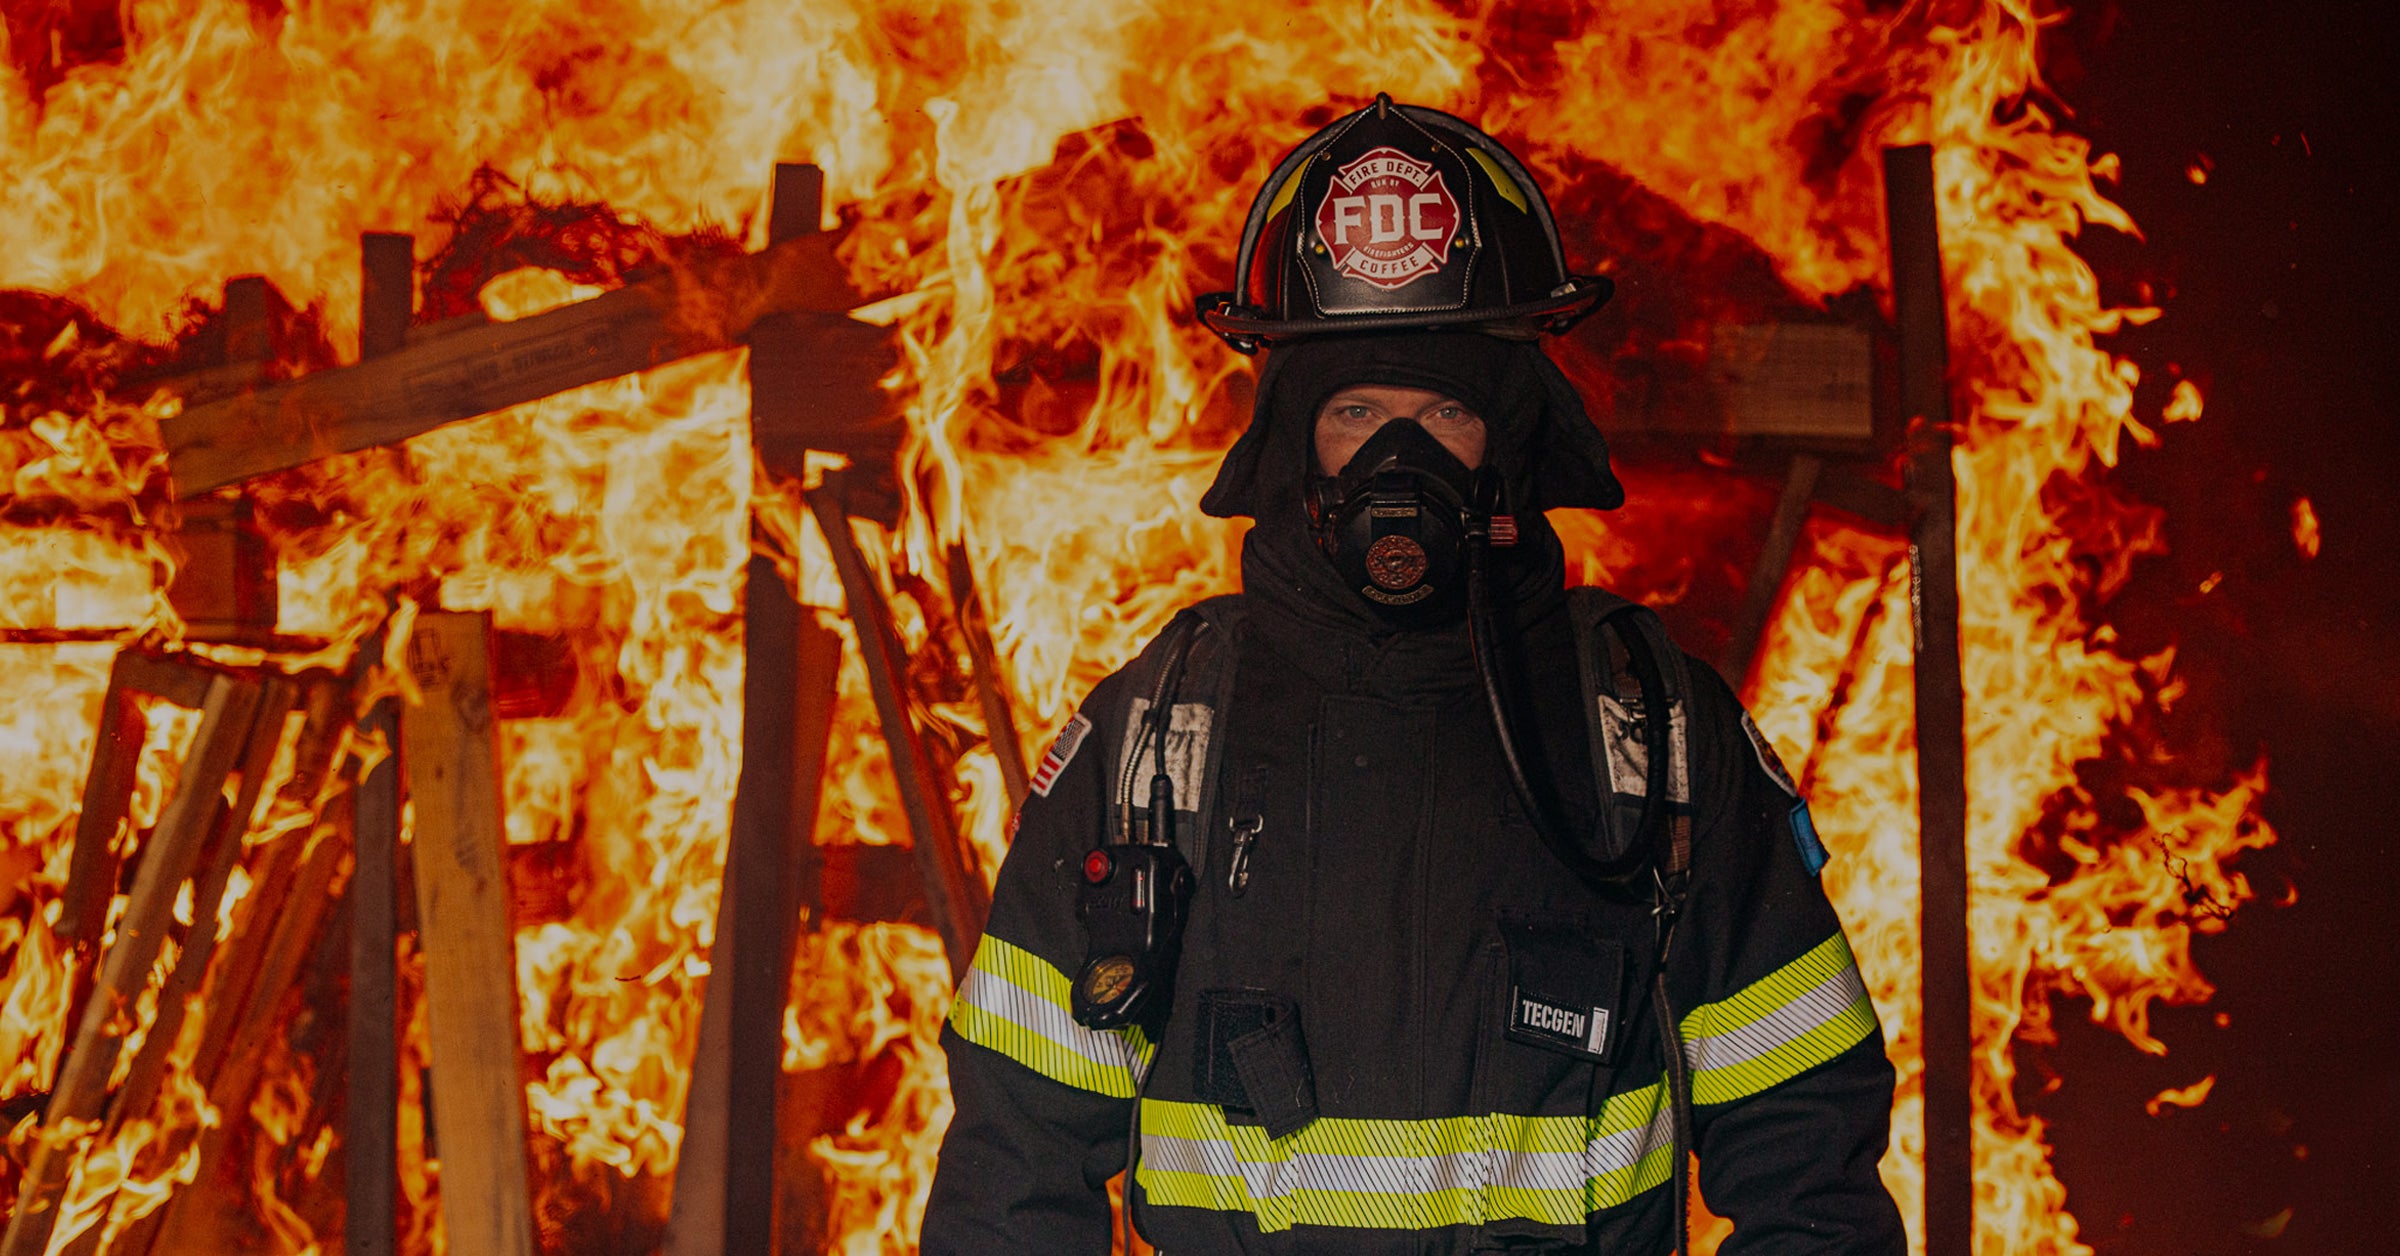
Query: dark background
point(2277, 276)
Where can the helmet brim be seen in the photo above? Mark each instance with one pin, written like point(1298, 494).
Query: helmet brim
point(1526, 319)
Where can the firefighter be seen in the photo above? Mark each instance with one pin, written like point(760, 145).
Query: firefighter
point(1408, 902)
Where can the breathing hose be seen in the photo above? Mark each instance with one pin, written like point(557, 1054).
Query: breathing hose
point(1610, 877)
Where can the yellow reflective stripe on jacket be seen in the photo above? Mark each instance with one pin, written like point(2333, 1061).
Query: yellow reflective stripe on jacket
point(1408, 1175)
point(1015, 1003)
point(1782, 1025)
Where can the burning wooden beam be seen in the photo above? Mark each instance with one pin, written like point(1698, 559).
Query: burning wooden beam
point(954, 890)
point(216, 863)
point(725, 1189)
point(451, 762)
point(286, 907)
point(478, 367)
point(724, 1179)
point(79, 1093)
point(1786, 383)
point(1948, 989)
point(1000, 724)
point(108, 785)
point(1774, 559)
point(370, 1144)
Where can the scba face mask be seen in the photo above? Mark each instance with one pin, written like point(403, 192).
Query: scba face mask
point(1397, 522)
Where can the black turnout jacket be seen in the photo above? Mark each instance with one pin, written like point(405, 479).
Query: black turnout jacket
point(1395, 892)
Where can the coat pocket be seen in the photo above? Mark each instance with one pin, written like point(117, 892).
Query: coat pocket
point(1566, 988)
point(1252, 1058)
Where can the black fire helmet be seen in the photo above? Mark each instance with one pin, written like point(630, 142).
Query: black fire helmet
point(1394, 218)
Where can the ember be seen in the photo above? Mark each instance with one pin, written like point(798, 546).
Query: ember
point(959, 408)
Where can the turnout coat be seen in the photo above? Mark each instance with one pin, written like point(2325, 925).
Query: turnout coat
point(1350, 1065)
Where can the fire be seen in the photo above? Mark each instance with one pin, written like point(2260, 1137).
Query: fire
point(2305, 535)
point(1033, 193)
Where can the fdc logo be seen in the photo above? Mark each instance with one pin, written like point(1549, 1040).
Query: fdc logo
point(1389, 220)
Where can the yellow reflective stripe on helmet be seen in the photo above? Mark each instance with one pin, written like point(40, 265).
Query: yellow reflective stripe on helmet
point(1782, 1025)
point(1284, 194)
point(1015, 1003)
point(1501, 183)
point(1408, 1175)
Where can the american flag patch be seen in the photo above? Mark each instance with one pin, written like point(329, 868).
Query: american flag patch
point(1062, 753)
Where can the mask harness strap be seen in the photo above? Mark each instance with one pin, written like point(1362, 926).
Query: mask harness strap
point(1656, 848)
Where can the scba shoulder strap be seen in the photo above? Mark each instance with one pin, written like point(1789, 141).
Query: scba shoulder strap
point(1633, 670)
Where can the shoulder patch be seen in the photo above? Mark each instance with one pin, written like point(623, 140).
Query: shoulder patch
point(1062, 753)
point(1804, 835)
point(1767, 758)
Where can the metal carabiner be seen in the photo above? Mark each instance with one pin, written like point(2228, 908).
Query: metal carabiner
point(1245, 831)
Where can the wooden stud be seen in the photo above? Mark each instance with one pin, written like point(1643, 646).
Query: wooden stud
point(249, 335)
point(954, 891)
point(450, 761)
point(370, 1143)
point(797, 1187)
point(218, 860)
point(282, 916)
point(1000, 724)
point(80, 1090)
point(1766, 575)
point(107, 791)
point(1848, 489)
point(1949, 1041)
point(724, 1198)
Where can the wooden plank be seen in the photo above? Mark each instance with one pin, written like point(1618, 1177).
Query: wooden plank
point(286, 908)
point(1795, 381)
point(724, 1191)
point(1848, 489)
point(817, 679)
point(1000, 724)
point(756, 883)
point(870, 884)
point(1766, 575)
point(218, 858)
point(1948, 990)
point(387, 300)
point(450, 762)
point(77, 1095)
point(248, 335)
point(1785, 383)
point(226, 588)
point(955, 892)
point(371, 1164)
point(108, 786)
point(107, 792)
point(484, 367)
point(370, 1143)
point(181, 679)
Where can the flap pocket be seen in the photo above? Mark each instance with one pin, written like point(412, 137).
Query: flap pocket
point(1252, 1058)
point(1566, 988)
